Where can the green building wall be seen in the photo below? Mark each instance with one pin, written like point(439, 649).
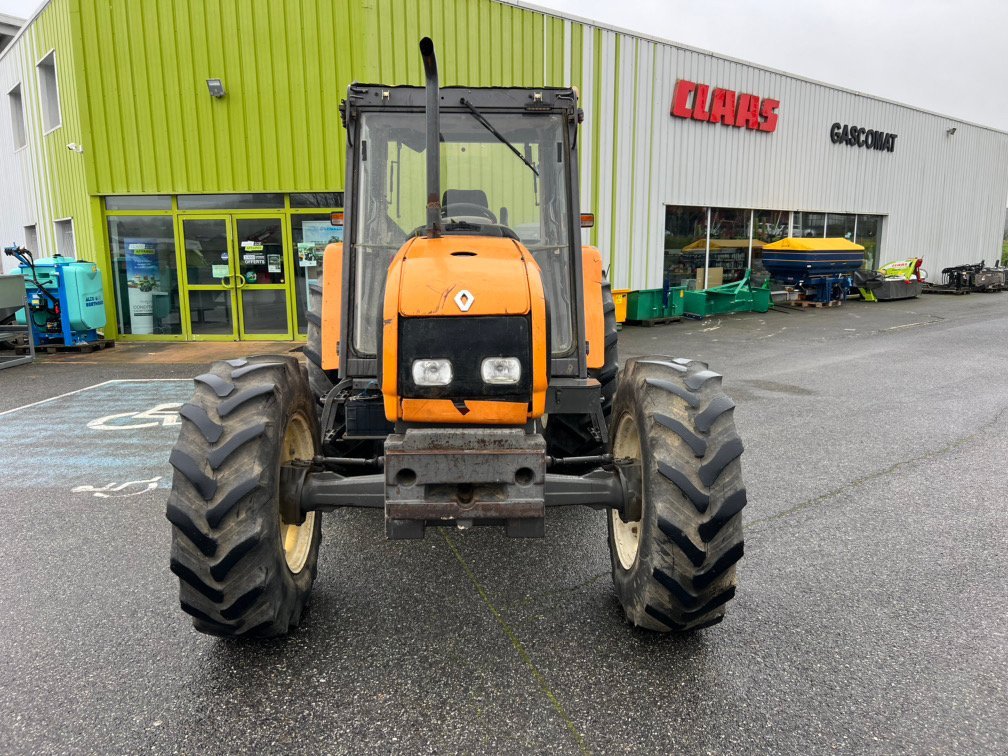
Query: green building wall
point(141, 104)
point(153, 128)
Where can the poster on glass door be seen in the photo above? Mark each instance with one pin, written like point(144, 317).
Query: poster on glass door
point(143, 280)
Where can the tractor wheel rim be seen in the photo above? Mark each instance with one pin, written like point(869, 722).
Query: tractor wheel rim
point(296, 540)
point(626, 535)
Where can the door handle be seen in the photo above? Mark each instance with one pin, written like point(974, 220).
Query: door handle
point(226, 282)
point(240, 280)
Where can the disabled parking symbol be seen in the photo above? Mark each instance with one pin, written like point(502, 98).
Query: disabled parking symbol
point(161, 415)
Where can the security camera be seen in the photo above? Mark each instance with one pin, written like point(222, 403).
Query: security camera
point(74, 147)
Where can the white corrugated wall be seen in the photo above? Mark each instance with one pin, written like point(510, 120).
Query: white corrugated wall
point(943, 197)
point(18, 168)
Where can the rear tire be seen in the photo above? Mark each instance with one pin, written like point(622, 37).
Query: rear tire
point(573, 435)
point(320, 381)
point(241, 569)
point(674, 569)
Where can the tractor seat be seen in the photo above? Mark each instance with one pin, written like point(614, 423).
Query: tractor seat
point(464, 197)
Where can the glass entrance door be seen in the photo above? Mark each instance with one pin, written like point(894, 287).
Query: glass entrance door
point(236, 276)
point(209, 277)
point(261, 279)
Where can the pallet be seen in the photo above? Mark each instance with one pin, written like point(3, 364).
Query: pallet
point(653, 321)
point(803, 303)
point(85, 348)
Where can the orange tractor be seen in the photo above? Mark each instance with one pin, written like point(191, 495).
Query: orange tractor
point(461, 371)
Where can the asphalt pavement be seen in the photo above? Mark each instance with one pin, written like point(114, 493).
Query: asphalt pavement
point(870, 615)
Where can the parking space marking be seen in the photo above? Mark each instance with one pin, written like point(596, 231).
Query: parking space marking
point(88, 388)
point(111, 438)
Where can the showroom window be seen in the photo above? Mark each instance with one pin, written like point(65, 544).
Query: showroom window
point(145, 274)
point(840, 226)
point(311, 233)
point(729, 254)
point(771, 225)
point(809, 225)
point(868, 235)
point(49, 93)
point(684, 226)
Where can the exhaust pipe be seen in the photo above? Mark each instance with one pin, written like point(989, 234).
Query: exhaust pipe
point(434, 228)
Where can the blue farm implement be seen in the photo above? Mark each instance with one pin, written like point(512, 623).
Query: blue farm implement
point(66, 306)
point(820, 269)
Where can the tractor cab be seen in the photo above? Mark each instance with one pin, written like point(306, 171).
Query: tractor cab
point(505, 168)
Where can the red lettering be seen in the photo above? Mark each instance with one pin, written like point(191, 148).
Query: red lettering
point(680, 99)
point(723, 107)
point(748, 112)
point(768, 112)
point(700, 102)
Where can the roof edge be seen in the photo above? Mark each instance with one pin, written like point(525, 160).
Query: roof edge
point(522, 4)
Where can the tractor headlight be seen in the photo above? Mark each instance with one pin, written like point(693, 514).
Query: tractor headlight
point(432, 372)
point(501, 370)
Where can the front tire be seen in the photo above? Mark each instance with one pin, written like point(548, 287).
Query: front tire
point(674, 568)
point(242, 569)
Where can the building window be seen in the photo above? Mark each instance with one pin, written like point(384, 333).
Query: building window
point(138, 202)
point(65, 238)
point(317, 199)
point(49, 93)
point(729, 252)
point(145, 274)
point(312, 233)
point(840, 226)
point(230, 201)
point(771, 225)
point(684, 227)
point(809, 225)
point(17, 117)
point(868, 234)
point(31, 240)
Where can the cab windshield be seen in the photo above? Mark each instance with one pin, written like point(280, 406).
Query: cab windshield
point(486, 189)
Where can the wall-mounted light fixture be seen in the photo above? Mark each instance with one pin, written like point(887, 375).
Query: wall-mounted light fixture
point(950, 132)
point(216, 87)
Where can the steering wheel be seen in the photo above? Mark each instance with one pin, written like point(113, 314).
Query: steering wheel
point(467, 208)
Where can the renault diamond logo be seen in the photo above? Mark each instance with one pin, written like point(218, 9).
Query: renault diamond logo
point(464, 300)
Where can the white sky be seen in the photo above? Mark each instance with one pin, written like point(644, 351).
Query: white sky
point(942, 55)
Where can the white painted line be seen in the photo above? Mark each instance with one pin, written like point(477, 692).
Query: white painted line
point(88, 388)
point(909, 325)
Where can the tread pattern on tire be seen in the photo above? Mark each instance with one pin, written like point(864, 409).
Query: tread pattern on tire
point(226, 550)
point(691, 531)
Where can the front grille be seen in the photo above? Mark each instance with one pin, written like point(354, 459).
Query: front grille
point(466, 341)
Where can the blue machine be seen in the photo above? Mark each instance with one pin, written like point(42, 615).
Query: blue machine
point(66, 304)
point(821, 269)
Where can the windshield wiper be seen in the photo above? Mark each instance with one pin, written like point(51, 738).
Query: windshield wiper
point(490, 127)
